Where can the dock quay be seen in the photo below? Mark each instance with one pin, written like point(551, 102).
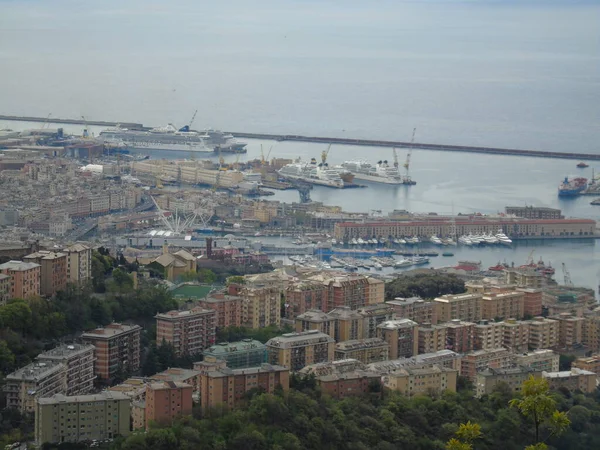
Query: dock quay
point(336, 140)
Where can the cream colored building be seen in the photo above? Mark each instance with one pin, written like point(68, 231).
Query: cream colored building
point(502, 305)
point(513, 377)
point(36, 380)
point(413, 381)
point(488, 335)
point(261, 305)
point(574, 379)
point(296, 350)
point(432, 338)
point(459, 306)
point(402, 335)
point(591, 332)
point(570, 330)
point(79, 263)
point(480, 360)
point(515, 335)
point(543, 333)
point(367, 351)
point(82, 418)
point(348, 324)
point(79, 362)
point(589, 363)
point(415, 309)
point(539, 360)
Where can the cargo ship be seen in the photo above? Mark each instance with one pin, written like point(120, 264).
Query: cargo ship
point(571, 187)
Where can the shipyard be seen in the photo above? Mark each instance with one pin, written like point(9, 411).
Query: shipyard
point(299, 225)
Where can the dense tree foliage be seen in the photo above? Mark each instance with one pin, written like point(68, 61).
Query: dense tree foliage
point(425, 285)
point(232, 334)
point(307, 420)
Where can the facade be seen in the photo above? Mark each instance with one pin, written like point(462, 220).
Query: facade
point(515, 335)
point(297, 350)
point(543, 333)
point(315, 319)
point(354, 291)
point(261, 305)
point(460, 336)
point(591, 333)
point(480, 360)
point(402, 335)
point(304, 296)
point(570, 331)
point(415, 309)
point(534, 212)
point(5, 288)
point(366, 351)
point(79, 362)
point(488, 335)
point(227, 387)
point(82, 418)
point(503, 305)
point(53, 272)
point(24, 278)
point(532, 301)
point(348, 324)
point(574, 380)
point(412, 381)
point(539, 360)
point(166, 401)
point(442, 358)
point(117, 349)
point(590, 363)
point(180, 375)
point(189, 332)
point(524, 277)
point(79, 263)
point(373, 315)
point(343, 378)
point(432, 338)
point(228, 308)
point(36, 380)
point(459, 306)
point(238, 355)
point(513, 377)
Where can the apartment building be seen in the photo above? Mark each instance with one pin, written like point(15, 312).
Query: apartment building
point(189, 332)
point(534, 212)
point(343, 378)
point(227, 387)
point(79, 362)
point(432, 338)
point(591, 332)
point(465, 307)
point(513, 377)
point(524, 277)
point(488, 335)
point(167, 400)
point(354, 291)
point(543, 360)
point(402, 335)
point(348, 324)
point(315, 319)
point(415, 309)
point(366, 351)
point(480, 360)
point(5, 288)
point(117, 349)
point(24, 278)
point(543, 333)
point(53, 271)
point(460, 335)
point(80, 418)
point(515, 335)
point(35, 380)
point(413, 381)
point(570, 330)
point(79, 263)
point(442, 358)
point(229, 309)
point(180, 375)
point(238, 355)
point(503, 305)
point(574, 379)
point(261, 305)
point(589, 363)
point(532, 301)
point(296, 350)
point(373, 316)
point(304, 296)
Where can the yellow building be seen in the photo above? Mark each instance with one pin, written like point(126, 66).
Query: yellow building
point(459, 306)
point(575, 379)
point(570, 330)
point(296, 350)
point(315, 319)
point(413, 381)
point(513, 377)
point(348, 324)
point(543, 333)
point(590, 363)
point(82, 418)
point(366, 351)
point(402, 335)
point(261, 306)
point(488, 335)
point(591, 333)
point(416, 309)
point(432, 338)
point(515, 335)
point(79, 263)
point(539, 360)
point(36, 380)
point(503, 305)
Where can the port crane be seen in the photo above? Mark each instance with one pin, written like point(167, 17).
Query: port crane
point(396, 163)
point(567, 275)
point(264, 160)
point(324, 155)
point(409, 154)
point(192, 120)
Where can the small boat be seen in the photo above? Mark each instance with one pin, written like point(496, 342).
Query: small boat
point(582, 165)
point(378, 266)
point(403, 263)
point(498, 267)
point(447, 254)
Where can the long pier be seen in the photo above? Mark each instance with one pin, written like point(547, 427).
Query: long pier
point(339, 141)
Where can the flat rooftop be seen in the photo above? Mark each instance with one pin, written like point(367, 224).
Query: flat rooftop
point(18, 266)
point(66, 351)
point(36, 371)
point(109, 331)
point(101, 397)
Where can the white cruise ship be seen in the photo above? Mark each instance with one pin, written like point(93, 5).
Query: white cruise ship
point(312, 173)
point(382, 172)
point(162, 138)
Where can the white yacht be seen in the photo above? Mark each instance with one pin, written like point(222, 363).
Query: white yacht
point(465, 240)
point(360, 241)
point(503, 238)
point(435, 240)
point(490, 239)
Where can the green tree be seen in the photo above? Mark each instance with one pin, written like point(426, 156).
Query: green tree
point(466, 434)
point(7, 358)
point(188, 276)
point(207, 276)
point(537, 405)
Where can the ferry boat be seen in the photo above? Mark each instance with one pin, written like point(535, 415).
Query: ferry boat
point(572, 187)
point(582, 165)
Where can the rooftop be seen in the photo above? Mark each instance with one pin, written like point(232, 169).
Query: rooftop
point(438, 357)
point(395, 324)
point(361, 343)
point(66, 351)
point(223, 348)
point(574, 372)
point(18, 266)
point(101, 397)
point(76, 248)
point(314, 315)
point(36, 371)
point(175, 314)
point(406, 301)
point(299, 339)
point(264, 368)
point(176, 374)
point(109, 331)
point(44, 254)
point(156, 386)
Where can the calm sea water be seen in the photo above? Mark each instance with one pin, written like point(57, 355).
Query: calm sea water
point(516, 74)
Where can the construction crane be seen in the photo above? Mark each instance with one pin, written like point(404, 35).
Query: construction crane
point(268, 154)
point(192, 120)
point(46, 122)
point(86, 129)
point(568, 281)
point(396, 164)
point(324, 155)
point(530, 257)
point(408, 155)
